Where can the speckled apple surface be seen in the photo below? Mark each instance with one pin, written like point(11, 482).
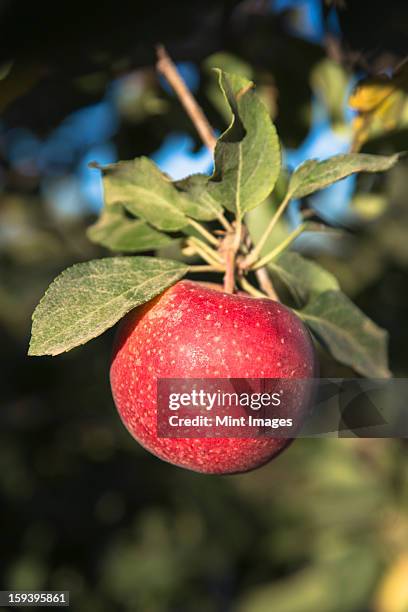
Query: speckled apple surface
point(193, 331)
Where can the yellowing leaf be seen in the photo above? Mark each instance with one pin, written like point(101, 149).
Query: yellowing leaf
point(370, 93)
point(392, 594)
point(380, 102)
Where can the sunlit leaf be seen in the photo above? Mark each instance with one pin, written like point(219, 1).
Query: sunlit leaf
point(313, 175)
point(247, 156)
point(228, 63)
point(88, 298)
point(370, 93)
point(379, 102)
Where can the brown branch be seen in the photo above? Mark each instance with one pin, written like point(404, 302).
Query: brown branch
point(230, 243)
point(167, 68)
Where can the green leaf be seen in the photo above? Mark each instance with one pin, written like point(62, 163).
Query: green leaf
point(198, 203)
point(247, 155)
point(117, 232)
point(247, 164)
point(313, 175)
point(228, 63)
point(145, 192)
point(350, 336)
point(88, 298)
point(301, 276)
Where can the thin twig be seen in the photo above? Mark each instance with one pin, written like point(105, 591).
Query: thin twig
point(167, 68)
point(231, 242)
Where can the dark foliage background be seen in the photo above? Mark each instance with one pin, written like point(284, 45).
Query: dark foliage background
point(83, 507)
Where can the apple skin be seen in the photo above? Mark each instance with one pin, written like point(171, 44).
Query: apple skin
point(194, 331)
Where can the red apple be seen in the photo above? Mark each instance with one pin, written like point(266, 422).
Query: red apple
point(194, 331)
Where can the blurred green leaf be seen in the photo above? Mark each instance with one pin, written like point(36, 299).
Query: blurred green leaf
point(339, 585)
point(313, 175)
point(301, 276)
point(369, 206)
point(88, 298)
point(330, 82)
point(117, 232)
point(139, 98)
point(28, 573)
point(351, 337)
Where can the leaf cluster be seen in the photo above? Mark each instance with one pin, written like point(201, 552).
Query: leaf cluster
point(145, 210)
